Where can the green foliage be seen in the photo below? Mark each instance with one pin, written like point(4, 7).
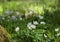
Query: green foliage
point(43, 27)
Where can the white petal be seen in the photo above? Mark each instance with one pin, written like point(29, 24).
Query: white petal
point(33, 26)
point(42, 22)
point(58, 34)
point(56, 29)
point(29, 27)
point(17, 29)
point(17, 13)
point(35, 22)
point(13, 17)
point(29, 23)
point(41, 17)
point(45, 35)
point(21, 18)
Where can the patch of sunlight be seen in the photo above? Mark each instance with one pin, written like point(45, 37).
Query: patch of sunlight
point(38, 9)
point(1, 10)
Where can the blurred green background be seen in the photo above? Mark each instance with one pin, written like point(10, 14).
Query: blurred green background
point(31, 20)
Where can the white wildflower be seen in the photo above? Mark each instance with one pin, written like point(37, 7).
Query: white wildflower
point(29, 28)
point(35, 22)
point(41, 17)
point(56, 29)
point(17, 29)
point(21, 18)
point(17, 13)
point(45, 35)
point(42, 22)
point(29, 25)
point(33, 26)
point(13, 17)
point(58, 34)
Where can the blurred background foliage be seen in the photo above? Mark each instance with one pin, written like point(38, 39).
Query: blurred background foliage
point(31, 20)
